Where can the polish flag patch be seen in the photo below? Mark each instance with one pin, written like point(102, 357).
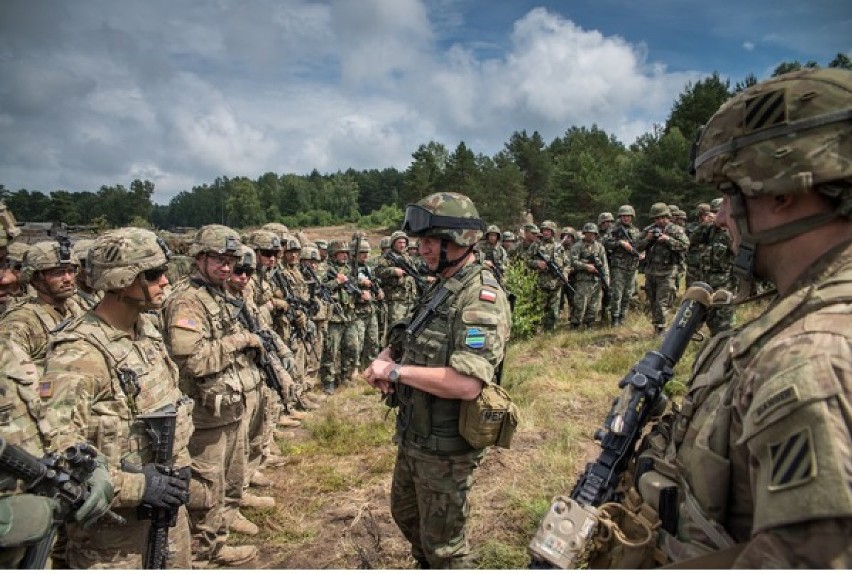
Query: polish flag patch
point(487, 295)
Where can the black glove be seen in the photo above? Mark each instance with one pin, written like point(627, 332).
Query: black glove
point(164, 490)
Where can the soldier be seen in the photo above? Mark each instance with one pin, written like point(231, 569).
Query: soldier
point(103, 371)
point(209, 347)
point(340, 352)
point(531, 236)
point(663, 243)
point(85, 296)
point(399, 286)
point(11, 286)
point(49, 269)
point(322, 246)
point(9, 230)
point(605, 223)
point(537, 256)
point(716, 267)
point(509, 242)
point(761, 455)
point(413, 249)
point(567, 237)
point(366, 313)
point(704, 217)
point(384, 244)
point(492, 255)
point(591, 275)
point(310, 260)
point(448, 361)
point(623, 262)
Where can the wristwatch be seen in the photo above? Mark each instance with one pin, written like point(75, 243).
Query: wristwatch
point(393, 376)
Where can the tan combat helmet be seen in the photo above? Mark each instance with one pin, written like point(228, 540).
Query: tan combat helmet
point(278, 229)
point(43, 256)
point(217, 239)
point(264, 239)
point(119, 255)
point(9, 229)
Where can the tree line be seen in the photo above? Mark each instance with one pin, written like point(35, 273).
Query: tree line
point(571, 179)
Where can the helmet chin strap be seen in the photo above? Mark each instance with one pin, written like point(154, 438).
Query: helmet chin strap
point(146, 302)
point(443, 263)
point(744, 263)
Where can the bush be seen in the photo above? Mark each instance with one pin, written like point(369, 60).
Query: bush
point(386, 217)
point(529, 309)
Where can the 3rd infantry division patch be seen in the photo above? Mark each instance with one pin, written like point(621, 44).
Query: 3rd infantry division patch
point(792, 461)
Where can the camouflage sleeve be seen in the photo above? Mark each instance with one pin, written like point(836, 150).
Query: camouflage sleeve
point(604, 263)
point(480, 330)
point(24, 328)
point(678, 241)
point(191, 341)
point(577, 263)
point(796, 425)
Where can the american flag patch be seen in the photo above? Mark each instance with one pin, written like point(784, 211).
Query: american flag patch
point(187, 323)
point(45, 389)
point(487, 295)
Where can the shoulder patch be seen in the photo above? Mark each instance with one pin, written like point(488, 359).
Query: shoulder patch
point(45, 389)
point(487, 295)
point(792, 461)
point(187, 323)
point(475, 338)
point(488, 279)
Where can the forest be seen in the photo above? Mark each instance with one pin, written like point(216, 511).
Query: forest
point(571, 179)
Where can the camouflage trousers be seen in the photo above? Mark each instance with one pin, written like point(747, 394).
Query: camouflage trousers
point(550, 303)
point(108, 544)
point(721, 318)
point(313, 360)
point(339, 354)
point(218, 466)
point(254, 427)
point(587, 302)
point(429, 503)
point(661, 291)
point(621, 285)
point(369, 339)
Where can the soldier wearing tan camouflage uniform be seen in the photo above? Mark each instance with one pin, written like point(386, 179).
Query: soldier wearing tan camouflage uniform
point(85, 296)
point(590, 274)
point(537, 255)
point(210, 348)
point(663, 243)
point(11, 286)
point(623, 262)
point(449, 360)
point(103, 371)
point(309, 259)
point(760, 452)
point(49, 269)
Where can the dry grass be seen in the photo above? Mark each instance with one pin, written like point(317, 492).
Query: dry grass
point(332, 495)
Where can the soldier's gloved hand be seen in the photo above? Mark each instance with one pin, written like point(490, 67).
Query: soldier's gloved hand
point(253, 340)
point(100, 496)
point(163, 490)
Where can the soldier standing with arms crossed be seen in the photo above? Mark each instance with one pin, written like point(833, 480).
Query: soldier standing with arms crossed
point(447, 361)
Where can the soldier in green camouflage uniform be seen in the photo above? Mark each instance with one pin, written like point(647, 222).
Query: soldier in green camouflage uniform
point(340, 352)
point(103, 371)
point(548, 249)
point(400, 288)
point(448, 361)
point(704, 217)
point(510, 244)
point(49, 269)
point(761, 450)
point(716, 267)
point(590, 274)
point(623, 260)
point(679, 219)
point(491, 254)
point(663, 243)
point(366, 310)
point(210, 348)
point(310, 260)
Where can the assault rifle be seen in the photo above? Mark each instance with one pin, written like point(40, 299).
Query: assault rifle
point(59, 476)
point(350, 285)
point(397, 261)
point(554, 269)
point(596, 262)
point(620, 233)
point(319, 289)
point(570, 523)
point(295, 304)
point(160, 426)
point(263, 358)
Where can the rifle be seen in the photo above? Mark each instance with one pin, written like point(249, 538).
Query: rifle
point(407, 268)
point(296, 304)
point(621, 230)
point(319, 289)
point(59, 476)
point(263, 359)
point(570, 523)
point(349, 285)
point(160, 426)
point(596, 262)
point(555, 270)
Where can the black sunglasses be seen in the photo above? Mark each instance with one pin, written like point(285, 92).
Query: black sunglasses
point(268, 252)
point(152, 275)
point(241, 270)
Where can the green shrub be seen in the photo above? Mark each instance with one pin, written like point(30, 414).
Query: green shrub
point(386, 217)
point(528, 311)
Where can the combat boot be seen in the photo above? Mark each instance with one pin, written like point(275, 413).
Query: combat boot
point(235, 555)
point(274, 461)
point(243, 525)
point(260, 480)
point(328, 388)
point(287, 421)
point(250, 500)
point(306, 403)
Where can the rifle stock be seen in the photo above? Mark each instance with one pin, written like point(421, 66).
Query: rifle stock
point(570, 523)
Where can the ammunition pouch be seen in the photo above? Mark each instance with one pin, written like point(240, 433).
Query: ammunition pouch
point(490, 419)
point(627, 536)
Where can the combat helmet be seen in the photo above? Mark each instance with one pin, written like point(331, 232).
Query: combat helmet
point(660, 210)
point(45, 255)
point(264, 239)
point(605, 216)
point(16, 252)
point(448, 215)
point(321, 244)
point(216, 239)
point(246, 258)
point(626, 210)
point(509, 236)
point(492, 229)
point(702, 208)
point(364, 246)
point(715, 204)
point(385, 242)
point(278, 229)
point(80, 251)
point(532, 228)
point(337, 245)
point(781, 136)
point(310, 252)
point(568, 230)
point(290, 243)
point(119, 255)
point(9, 229)
point(551, 225)
point(591, 228)
point(396, 235)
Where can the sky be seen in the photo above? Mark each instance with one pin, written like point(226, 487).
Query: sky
point(99, 92)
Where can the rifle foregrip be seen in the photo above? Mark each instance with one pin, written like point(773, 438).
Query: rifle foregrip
point(21, 464)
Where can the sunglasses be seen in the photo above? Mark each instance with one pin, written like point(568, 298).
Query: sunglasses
point(268, 252)
point(248, 271)
point(152, 275)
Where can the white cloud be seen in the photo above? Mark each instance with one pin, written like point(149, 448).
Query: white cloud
point(748, 46)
